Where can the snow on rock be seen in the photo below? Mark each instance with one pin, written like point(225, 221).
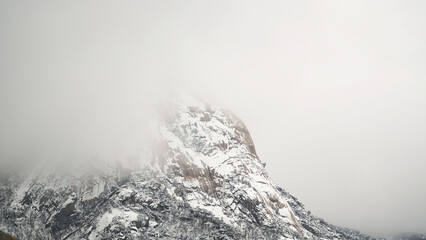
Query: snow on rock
point(204, 180)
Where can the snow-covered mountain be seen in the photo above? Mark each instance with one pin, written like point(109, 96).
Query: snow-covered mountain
point(201, 180)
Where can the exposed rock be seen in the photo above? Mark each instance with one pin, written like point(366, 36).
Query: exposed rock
point(5, 236)
point(204, 181)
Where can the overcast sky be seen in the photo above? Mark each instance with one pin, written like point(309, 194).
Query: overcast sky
point(333, 92)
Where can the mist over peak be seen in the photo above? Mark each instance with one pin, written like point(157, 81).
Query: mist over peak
point(334, 90)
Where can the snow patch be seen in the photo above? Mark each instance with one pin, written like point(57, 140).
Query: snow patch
point(125, 217)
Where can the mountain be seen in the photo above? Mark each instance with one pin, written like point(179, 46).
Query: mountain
point(409, 236)
point(201, 179)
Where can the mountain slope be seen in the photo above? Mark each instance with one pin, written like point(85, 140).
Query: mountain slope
point(203, 180)
point(5, 236)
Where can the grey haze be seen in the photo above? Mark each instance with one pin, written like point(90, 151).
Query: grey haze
point(333, 92)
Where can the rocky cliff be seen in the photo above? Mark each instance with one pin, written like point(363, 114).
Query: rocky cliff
point(202, 179)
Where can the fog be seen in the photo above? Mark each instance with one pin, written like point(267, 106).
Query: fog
point(333, 93)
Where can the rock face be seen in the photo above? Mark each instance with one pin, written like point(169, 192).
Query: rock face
point(203, 180)
point(5, 236)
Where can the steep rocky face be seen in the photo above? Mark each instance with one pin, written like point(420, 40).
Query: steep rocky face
point(213, 161)
point(204, 180)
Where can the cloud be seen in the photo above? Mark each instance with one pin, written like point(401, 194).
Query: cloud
point(333, 93)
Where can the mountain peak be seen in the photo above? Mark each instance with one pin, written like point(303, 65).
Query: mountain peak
point(204, 180)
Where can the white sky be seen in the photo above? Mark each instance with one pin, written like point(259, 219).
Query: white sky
point(333, 92)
